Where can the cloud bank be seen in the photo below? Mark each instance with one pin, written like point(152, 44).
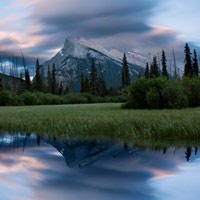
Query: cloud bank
point(41, 26)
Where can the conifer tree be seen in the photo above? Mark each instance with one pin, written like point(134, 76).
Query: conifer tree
point(82, 89)
point(61, 88)
point(125, 73)
point(123, 78)
point(93, 79)
point(102, 86)
point(54, 84)
point(87, 85)
point(164, 65)
point(1, 85)
point(195, 65)
point(67, 90)
point(49, 79)
point(188, 62)
point(151, 71)
point(139, 75)
point(154, 68)
point(147, 72)
point(27, 85)
point(38, 85)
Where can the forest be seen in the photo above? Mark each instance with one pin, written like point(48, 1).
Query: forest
point(155, 89)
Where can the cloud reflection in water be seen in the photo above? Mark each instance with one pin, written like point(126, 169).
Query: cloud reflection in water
point(40, 172)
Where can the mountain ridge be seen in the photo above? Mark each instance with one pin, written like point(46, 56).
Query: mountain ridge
point(75, 58)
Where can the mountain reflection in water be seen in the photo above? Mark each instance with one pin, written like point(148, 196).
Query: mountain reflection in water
point(34, 168)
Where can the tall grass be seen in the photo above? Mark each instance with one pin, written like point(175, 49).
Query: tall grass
point(102, 120)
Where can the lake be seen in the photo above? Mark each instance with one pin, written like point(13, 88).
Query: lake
point(61, 168)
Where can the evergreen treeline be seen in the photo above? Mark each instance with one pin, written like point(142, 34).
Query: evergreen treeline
point(94, 84)
point(155, 90)
point(191, 68)
point(160, 93)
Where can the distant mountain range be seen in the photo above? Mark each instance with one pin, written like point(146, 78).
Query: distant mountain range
point(76, 56)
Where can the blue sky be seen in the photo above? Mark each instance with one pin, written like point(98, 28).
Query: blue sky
point(39, 27)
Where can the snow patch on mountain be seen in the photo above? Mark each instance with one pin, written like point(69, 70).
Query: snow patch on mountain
point(75, 58)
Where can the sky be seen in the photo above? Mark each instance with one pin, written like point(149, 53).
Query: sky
point(39, 27)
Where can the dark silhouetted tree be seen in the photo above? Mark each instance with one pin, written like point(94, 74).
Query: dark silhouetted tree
point(38, 139)
point(188, 62)
point(67, 90)
point(154, 68)
point(38, 84)
point(87, 85)
point(60, 89)
point(164, 65)
point(125, 147)
point(93, 79)
point(1, 85)
point(196, 151)
point(195, 65)
point(49, 79)
point(125, 73)
point(82, 88)
point(54, 84)
point(188, 153)
point(101, 85)
point(147, 71)
point(27, 85)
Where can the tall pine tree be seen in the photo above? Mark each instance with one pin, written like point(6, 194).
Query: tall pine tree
point(27, 85)
point(93, 79)
point(54, 84)
point(164, 65)
point(1, 85)
point(60, 89)
point(154, 68)
point(87, 85)
point(147, 72)
point(102, 85)
point(49, 79)
point(82, 88)
point(195, 65)
point(125, 73)
point(188, 62)
point(38, 84)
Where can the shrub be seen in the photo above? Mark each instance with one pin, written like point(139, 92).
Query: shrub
point(115, 99)
point(192, 90)
point(137, 94)
point(75, 99)
point(16, 100)
point(5, 98)
point(30, 98)
point(162, 93)
point(153, 98)
point(174, 96)
point(90, 98)
point(49, 99)
point(143, 91)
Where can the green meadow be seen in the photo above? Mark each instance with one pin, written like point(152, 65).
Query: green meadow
point(102, 120)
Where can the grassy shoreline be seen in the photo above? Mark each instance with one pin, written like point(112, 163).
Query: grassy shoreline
point(102, 120)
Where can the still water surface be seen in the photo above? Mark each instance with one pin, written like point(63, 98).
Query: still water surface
point(34, 168)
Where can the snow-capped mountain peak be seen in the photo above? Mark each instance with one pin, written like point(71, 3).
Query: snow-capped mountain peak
point(75, 58)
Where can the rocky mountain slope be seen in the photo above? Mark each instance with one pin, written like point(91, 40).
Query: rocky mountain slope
point(76, 56)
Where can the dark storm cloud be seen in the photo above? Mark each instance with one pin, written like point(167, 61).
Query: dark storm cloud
point(162, 39)
point(96, 19)
point(7, 41)
point(77, 12)
point(111, 23)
